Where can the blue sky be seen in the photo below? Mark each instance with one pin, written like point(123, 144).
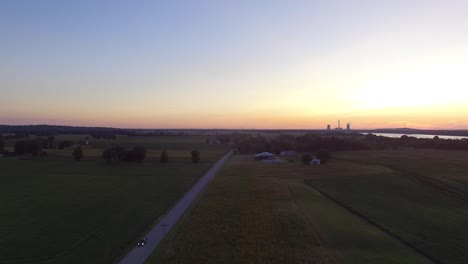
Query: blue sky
point(238, 64)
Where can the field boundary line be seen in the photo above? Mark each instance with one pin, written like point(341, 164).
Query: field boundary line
point(373, 223)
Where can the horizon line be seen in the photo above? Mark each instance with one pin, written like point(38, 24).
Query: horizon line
point(187, 128)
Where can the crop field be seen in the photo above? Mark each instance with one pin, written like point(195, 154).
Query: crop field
point(418, 195)
point(443, 169)
point(256, 212)
point(57, 210)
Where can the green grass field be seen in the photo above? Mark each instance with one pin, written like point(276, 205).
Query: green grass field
point(391, 194)
point(56, 210)
point(255, 212)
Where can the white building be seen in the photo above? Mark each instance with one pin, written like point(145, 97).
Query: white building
point(315, 162)
point(265, 155)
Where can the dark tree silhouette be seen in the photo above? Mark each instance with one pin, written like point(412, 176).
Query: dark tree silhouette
point(31, 146)
point(195, 156)
point(78, 153)
point(324, 156)
point(164, 157)
point(116, 153)
point(138, 154)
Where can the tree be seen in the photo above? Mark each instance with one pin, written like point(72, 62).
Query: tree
point(31, 146)
point(78, 153)
point(2, 146)
point(323, 156)
point(164, 157)
point(195, 156)
point(306, 158)
point(139, 154)
point(116, 153)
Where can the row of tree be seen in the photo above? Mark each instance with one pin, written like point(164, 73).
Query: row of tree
point(248, 143)
point(29, 147)
point(35, 146)
point(118, 153)
point(381, 142)
point(138, 154)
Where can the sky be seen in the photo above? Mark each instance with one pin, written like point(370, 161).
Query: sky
point(235, 64)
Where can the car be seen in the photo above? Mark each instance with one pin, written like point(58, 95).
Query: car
point(142, 242)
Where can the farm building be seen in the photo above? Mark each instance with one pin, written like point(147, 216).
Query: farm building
point(288, 153)
point(315, 162)
point(265, 155)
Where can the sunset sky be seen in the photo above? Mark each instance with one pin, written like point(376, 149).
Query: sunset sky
point(234, 64)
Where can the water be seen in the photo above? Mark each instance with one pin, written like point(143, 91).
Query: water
point(395, 135)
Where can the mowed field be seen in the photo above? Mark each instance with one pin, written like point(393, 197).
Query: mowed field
point(256, 212)
point(57, 210)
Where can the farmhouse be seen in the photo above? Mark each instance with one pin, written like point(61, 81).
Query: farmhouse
point(265, 155)
point(288, 153)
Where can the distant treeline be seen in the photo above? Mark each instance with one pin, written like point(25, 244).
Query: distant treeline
point(249, 143)
point(35, 146)
point(46, 130)
point(31, 146)
point(381, 142)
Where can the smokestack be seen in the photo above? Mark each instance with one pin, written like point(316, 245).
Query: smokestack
point(339, 124)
